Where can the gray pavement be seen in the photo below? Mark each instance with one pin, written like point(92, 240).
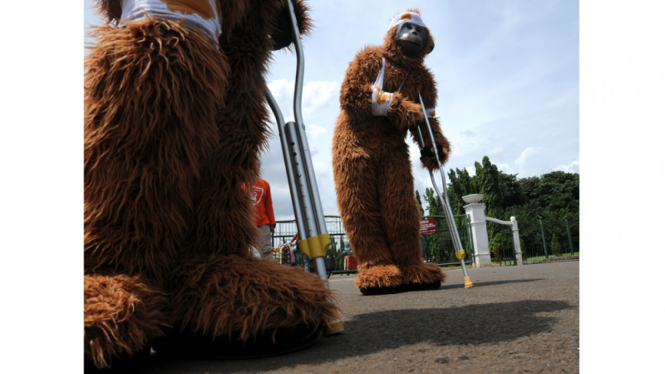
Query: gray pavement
point(515, 320)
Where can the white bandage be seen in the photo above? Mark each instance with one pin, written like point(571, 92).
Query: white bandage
point(380, 99)
point(430, 112)
point(407, 17)
point(206, 18)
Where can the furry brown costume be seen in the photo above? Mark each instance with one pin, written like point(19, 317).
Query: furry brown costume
point(372, 171)
point(173, 128)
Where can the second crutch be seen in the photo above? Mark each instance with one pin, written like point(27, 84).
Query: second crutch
point(452, 227)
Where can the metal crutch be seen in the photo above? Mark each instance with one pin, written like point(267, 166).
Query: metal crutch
point(457, 243)
point(307, 208)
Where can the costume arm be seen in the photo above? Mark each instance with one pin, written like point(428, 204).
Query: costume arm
point(356, 92)
point(362, 97)
point(403, 112)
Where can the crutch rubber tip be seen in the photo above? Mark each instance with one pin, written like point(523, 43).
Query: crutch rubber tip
point(336, 327)
point(467, 282)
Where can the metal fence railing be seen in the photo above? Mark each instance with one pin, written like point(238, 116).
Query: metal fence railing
point(539, 239)
point(542, 239)
point(339, 248)
point(439, 247)
point(501, 245)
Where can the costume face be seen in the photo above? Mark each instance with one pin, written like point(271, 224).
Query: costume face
point(411, 38)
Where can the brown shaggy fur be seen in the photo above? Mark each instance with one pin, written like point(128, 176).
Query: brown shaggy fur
point(151, 93)
point(372, 170)
point(226, 294)
point(121, 315)
point(165, 159)
point(222, 222)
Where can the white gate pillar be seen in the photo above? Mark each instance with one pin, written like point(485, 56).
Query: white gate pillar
point(481, 247)
point(516, 241)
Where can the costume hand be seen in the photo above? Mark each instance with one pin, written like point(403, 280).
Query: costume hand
point(428, 157)
point(428, 152)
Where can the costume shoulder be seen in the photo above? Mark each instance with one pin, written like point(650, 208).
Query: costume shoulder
point(370, 54)
point(428, 88)
point(365, 65)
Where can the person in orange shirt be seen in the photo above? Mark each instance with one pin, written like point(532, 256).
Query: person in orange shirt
point(265, 217)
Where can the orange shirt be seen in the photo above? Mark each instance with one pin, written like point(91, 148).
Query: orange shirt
point(262, 203)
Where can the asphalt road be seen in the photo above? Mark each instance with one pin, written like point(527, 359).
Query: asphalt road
point(514, 320)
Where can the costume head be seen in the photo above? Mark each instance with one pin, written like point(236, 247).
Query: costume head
point(408, 32)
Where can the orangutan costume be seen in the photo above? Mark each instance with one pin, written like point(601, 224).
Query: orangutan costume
point(174, 123)
point(375, 192)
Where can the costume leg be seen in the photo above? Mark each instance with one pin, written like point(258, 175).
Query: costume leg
point(356, 182)
point(232, 306)
point(401, 218)
point(225, 302)
point(151, 93)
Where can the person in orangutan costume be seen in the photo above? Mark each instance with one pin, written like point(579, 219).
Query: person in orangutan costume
point(174, 123)
point(372, 171)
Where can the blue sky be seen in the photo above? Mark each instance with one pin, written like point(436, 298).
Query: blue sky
point(507, 74)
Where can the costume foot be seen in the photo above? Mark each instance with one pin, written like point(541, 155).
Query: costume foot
point(121, 316)
point(219, 302)
point(271, 342)
point(422, 286)
point(368, 291)
point(387, 279)
point(379, 279)
point(422, 276)
point(120, 363)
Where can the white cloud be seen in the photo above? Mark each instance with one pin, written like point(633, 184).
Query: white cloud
point(494, 152)
point(315, 130)
point(530, 161)
point(315, 96)
point(573, 167)
point(504, 167)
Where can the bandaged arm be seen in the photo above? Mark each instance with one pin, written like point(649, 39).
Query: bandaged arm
point(363, 98)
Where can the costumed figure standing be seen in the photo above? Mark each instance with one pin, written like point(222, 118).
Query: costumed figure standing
point(371, 165)
point(175, 119)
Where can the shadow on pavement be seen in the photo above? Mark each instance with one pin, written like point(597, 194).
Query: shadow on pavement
point(374, 332)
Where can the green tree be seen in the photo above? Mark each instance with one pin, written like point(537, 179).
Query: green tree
point(512, 193)
point(488, 181)
point(461, 184)
point(556, 247)
point(553, 196)
point(435, 208)
point(495, 248)
point(420, 204)
point(435, 244)
point(559, 190)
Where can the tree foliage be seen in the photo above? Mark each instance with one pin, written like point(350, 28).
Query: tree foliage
point(552, 198)
point(505, 193)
